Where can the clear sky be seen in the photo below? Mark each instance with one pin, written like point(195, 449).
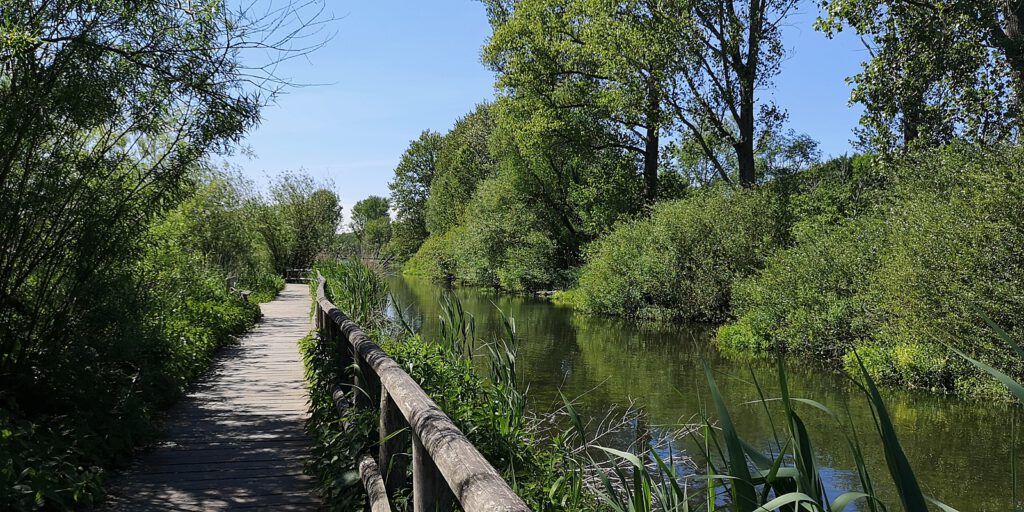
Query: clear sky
point(397, 67)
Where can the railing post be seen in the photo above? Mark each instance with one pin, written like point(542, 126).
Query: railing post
point(430, 493)
point(394, 439)
point(368, 384)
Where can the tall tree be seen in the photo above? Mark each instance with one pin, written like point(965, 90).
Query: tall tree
point(370, 209)
point(410, 189)
point(939, 69)
point(371, 223)
point(463, 161)
point(608, 62)
point(300, 221)
point(644, 67)
point(733, 49)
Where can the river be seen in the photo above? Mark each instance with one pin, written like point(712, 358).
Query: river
point(960, 449)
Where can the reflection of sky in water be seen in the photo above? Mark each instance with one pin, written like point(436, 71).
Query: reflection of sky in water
point(960, 449)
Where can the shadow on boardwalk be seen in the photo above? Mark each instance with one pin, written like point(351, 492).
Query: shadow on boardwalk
point(236, 441)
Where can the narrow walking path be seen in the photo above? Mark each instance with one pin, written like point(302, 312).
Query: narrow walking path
point(236, 441)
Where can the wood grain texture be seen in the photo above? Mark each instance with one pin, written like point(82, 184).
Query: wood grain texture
point(236, 441)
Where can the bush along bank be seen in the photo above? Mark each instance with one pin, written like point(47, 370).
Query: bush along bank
point(891, 259)
point(935, 249)
point(487, 406)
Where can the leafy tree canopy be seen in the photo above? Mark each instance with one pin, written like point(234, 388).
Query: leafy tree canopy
point(939, 69)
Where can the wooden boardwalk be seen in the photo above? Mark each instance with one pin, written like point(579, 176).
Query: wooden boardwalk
point(237, 440)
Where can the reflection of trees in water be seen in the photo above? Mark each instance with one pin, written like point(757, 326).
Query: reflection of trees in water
point(607, 362)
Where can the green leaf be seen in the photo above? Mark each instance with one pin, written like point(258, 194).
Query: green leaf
point(899, 467)
point(1006, 380)
point(743, 489)
point(840, 503)
point(792, 498)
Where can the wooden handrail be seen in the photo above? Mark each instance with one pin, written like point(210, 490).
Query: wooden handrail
point(445, 464)
point(296, 275)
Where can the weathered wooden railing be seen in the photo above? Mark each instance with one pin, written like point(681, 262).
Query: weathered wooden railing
point(296, 275)
point(446, 467)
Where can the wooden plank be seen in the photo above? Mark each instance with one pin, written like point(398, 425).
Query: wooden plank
point(237, 440)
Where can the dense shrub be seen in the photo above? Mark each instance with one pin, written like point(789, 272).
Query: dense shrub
point(808, 298)
point(939, 241)
point(436, 258)
point(505, 244)
point(682, 260)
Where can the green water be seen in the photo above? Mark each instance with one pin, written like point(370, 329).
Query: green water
point(960, 449)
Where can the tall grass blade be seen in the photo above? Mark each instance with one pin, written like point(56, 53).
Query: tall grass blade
point(1003, 378)
point(999, 331)
point(899, 467)
point(744, 494)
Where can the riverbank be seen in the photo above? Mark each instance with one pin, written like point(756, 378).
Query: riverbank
point(894, 260)
point(605, 362)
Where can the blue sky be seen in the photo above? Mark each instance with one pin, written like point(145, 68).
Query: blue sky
point(397, 67)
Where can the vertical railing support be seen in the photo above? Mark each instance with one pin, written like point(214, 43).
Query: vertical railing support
point(430, 493)
point(368, 383)
point(394, 440)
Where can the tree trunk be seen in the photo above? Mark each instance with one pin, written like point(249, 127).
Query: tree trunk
point(1012, 44)
point(745, 147)
point(652, 145)
point(745, 157)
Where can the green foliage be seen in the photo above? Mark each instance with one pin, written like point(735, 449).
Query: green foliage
point(410, 189)
point(504, 243)
point(892, 262)
point(939, 70)
point(807, 299)
point(298, 221)
point(436, 258)
point(372, 224)
point(338, 439)
point(682, 260)
point(646, 73)
point(463, 160)
point(368, 210)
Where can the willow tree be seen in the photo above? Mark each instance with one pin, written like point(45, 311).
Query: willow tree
point(938, 69)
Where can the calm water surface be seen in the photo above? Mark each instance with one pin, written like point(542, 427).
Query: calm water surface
point(960, 449)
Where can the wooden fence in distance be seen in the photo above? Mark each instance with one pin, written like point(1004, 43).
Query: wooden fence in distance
point(446, 467)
